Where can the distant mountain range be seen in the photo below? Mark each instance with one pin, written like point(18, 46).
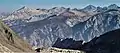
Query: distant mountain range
point(42, 27)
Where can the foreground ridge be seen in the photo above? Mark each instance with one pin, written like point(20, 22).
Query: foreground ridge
point(11, 42)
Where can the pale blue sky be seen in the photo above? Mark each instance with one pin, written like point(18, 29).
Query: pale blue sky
point(10, 5)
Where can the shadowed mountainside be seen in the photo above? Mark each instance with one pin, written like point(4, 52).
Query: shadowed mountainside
point(106, 43)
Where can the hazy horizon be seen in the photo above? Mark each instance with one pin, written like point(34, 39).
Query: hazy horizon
point(10, 5)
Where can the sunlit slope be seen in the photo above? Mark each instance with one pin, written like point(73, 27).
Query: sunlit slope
point(9, 41)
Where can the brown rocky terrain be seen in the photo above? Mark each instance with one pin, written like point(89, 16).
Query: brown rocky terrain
point(10, 42)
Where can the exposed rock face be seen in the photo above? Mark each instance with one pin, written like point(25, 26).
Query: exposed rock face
point(43, 26)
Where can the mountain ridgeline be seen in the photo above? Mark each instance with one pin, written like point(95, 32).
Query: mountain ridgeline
point(42, 27)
